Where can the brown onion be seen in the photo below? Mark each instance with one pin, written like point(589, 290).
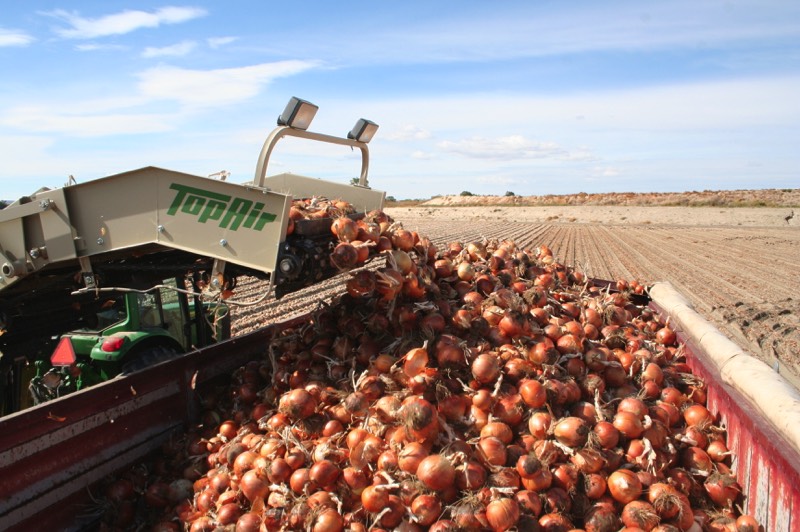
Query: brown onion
point(571, 431)
point(436, 472)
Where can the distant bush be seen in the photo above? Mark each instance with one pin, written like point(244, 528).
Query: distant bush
point(391, 198)
point(466, 193)
point(509, 193)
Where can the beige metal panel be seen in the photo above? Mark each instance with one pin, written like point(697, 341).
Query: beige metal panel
point(34, 234)
point(234, 223)
point(363, 199)
point(52, 230)
point(12, 247)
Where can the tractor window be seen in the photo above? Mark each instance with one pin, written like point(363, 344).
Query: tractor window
point(109, 312)
point(173, 312)
point(149, 312)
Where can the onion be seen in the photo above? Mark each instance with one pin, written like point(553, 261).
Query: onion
point(628, 424)
point(470, 476)
point(415, 361)
point(493, 450)
point(410, 456)
point(328, 520)
point(324, 474)
point(502, 513)
point(556, 522)
point(602, 516)
point(436, 472)
point(565, 476)
point(361, 284)
point(426, 509)
point(253, 486)
point(746, 523)
point(510, 409)
point(375, 498)
point(420, 418)
point(485, 368)
point(640, 514)
point(513, 324)
point(403, 240)
point(539, 424)
point(499, 430)
point(698, 416)
point(696, 459)
point(722, 489)
point(465, 271)
point(571, 431)
point(402, 261)
point(717, 451)
point(345, 229)
point(299, 482)
point(533, 393)
point(594, 485)
point(344, 256)
point(624, 486)
point(666, 336)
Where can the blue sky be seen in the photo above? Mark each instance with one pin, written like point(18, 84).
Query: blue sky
point(533, 97)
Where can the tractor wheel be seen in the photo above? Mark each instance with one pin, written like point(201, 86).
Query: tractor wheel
point(149, 357)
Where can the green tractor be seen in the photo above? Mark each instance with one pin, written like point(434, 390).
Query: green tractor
point(125, 332)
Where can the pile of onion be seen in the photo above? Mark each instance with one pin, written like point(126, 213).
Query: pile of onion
point(475, 387)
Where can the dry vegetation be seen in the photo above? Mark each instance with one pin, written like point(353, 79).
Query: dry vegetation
point(706, 198)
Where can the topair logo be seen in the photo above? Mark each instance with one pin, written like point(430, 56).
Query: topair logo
point(231, 212)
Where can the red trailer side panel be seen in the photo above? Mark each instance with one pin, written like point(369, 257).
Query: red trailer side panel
point(766, 465)
point(52, 453)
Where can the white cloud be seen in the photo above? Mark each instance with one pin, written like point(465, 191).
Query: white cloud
point(81, 124)
point(409, 132)
point(511, 147)
point(175, 50)
point(14, 38)
point(496, 180)
point(480, 32)
point(422, 155)
point(121, 23)
point(214, 87)
point(92, 47)
point(606, 171)
point(216, 42)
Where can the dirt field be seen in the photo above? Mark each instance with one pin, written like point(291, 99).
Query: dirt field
point(739, 266)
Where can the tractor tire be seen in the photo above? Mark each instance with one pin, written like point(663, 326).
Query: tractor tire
point(149, 357)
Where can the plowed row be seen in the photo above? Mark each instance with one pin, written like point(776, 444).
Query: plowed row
point(746, 280)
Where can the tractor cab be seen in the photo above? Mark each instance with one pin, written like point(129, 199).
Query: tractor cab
point(125, 332)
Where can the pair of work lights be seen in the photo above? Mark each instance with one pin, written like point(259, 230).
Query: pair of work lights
point(299, 114)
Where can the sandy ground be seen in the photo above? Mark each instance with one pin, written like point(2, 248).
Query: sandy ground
point(624, 215)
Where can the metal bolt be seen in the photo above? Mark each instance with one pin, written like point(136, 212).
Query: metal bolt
point(160, 228)
point(34, 253)
point(223, 242)
point(100, 241)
